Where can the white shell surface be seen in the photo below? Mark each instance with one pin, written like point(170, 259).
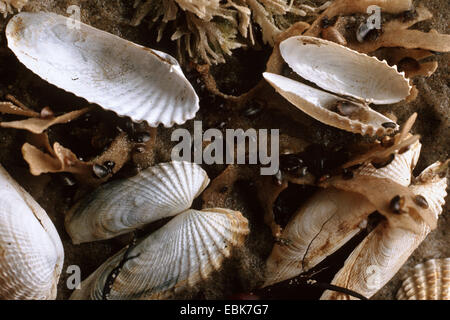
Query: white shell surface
point(343, 71)
point(31, 252)
point(427, 281)
point(117, 74)
point(179, 255)
point(121, 206)
point(320, 104)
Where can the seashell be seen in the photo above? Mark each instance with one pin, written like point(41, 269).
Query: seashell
point(382, 253)
point(329, 219)
point(31, 252)
point(180, 254)
point(356, 80)
point(427, 281)
point(117, 74)
point(121, 206)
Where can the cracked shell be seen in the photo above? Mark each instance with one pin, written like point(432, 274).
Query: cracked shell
point(102, 68)
point(31, 252)
point(179, 255)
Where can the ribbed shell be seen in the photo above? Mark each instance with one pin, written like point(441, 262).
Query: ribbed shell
point(31, 252)
point(320, 104)
point(399, 170)
point(427, 281)
point(121, 206)
point(179, 255)
point(343, 71)
point(117, 74)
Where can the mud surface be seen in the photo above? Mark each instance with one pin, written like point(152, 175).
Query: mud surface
point(245, 271)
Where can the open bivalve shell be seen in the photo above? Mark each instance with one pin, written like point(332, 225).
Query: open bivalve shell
point(356, 80)
point(329, 219)
point(427, 281)
point(31, 252)
point(121, 206)
point(180, 254)
point(382, 253)
point(117, 74)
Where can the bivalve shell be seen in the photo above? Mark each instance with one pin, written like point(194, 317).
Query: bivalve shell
point(117, 74)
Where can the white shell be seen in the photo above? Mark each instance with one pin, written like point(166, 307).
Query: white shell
point(427, 281)
point(346, 72)
point(329, 219)
point(319, 105)
point(180, 254)
point(121, 206)
point(31, 252)
point(117, 74)
point(382, 253)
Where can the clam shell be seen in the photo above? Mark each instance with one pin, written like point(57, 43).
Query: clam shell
point(31, 252)
point(179, 255)
point(343, 71)
point(320, 105)
point(117, 74)
point(382, 253)
point(329, 219)
point(121, 206)
point(427, 281)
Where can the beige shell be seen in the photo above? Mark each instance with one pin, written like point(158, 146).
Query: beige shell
point(427, 281)
point(356, 80)
point(117, 74)
point(121, 206)
point(31, 252)
point(177, 256)
point(329, 219)
point(7, 6)
point(382, 253)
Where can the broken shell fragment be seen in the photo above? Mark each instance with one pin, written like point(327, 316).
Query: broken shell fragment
point(31, 252)
point(427, 281)
point(179, 255)
point(117, 74)
point(121, 206)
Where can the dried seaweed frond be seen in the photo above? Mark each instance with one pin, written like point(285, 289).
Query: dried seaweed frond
point(8, 6)
point(210, 30)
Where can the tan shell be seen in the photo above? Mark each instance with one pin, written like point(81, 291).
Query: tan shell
point(179, 255)
point(354, 80)
point(427, 281)
point(382, 253)
point(31, 252)
point(329, 219)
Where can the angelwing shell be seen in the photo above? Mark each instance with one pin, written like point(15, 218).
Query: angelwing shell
point(343, 71)
point(329, 219)
point(31, 252)
point(321, 105)
point(117, 74)
point(121, 206)
point(382, 253)
point(179, 255)
point(427, 281)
